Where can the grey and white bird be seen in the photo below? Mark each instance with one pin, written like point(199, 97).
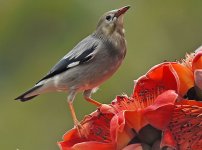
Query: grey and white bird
point(91, 62)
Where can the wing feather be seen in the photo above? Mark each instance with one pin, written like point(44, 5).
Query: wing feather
point(81, 53)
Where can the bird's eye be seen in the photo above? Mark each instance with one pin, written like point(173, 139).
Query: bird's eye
point(108, 18)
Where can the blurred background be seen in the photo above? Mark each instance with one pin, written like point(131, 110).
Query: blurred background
point(34, 35)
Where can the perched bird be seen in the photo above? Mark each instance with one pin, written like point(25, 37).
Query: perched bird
point(92, 61)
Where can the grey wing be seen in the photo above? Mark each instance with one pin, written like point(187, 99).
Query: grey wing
point(81, 53)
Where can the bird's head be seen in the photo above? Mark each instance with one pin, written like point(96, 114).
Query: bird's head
point(112, 22)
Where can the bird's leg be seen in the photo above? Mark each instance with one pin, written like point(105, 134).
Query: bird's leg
point(82, 132)
point(87, 96)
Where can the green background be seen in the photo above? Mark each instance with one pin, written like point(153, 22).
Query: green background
point(35, 34)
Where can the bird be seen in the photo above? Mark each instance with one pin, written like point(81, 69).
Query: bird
point(91, 62)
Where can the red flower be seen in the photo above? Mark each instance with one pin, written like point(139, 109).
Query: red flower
point(110, 127)
point(185, 128)
point(97, 125)
point(155, 116)
point(128, 114)
point(137, 115)
point(197, 60)
point(168, 75)
point(193, 62)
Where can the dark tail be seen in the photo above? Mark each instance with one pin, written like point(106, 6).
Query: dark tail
point(23, 97)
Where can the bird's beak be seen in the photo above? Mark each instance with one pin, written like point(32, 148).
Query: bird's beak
point(121, 11)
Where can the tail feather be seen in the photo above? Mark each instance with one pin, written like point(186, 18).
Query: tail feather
point(24, 96)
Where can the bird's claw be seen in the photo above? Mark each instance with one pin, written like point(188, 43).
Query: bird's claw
point(81, 130)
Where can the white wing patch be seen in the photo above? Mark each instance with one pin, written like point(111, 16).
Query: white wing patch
point(73, 64)
point(90, 55)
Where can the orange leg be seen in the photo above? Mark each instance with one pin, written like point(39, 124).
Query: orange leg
point(81, 130)
point(92, 101)
point(87, 96)
point(73, 113)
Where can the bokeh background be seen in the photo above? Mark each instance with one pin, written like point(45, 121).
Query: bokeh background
point(36, 34)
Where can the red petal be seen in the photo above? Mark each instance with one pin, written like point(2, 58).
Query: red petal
point(197, 61)
point(189, 102)
point(72, 134)
point(93, 146)
point(87, 145)
point(160, 113)
point(168, 139)
point(186, 125)
point(117, 125)
point(70, 139)
point(121, 134)
point(159, 79)
point(135, 120)
point(186, 78)
point(134, 147)
point(165, 74)
point(122, 103)
point(198, 78)
point(97, 125)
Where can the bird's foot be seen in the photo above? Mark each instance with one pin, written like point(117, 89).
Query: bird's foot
point(81, 130)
